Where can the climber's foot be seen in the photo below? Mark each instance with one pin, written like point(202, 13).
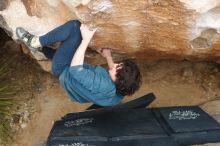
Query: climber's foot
point(26, 38)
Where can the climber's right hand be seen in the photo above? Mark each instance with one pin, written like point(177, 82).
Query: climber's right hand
point(105, 52)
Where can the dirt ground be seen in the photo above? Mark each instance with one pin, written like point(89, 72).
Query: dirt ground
point(173, 83)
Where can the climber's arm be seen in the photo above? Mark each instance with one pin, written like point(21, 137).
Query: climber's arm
point(79, 55)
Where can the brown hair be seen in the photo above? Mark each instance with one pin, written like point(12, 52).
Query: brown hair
point(128, 78)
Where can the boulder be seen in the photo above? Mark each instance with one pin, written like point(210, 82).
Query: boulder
point(143, 29)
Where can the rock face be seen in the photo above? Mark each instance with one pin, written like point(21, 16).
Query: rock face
point(147, 29)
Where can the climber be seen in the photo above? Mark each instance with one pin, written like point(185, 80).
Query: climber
point(83, 82)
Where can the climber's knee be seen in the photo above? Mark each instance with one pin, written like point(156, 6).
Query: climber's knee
point(75, 23)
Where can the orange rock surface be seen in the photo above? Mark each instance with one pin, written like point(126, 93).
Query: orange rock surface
point(146, 29)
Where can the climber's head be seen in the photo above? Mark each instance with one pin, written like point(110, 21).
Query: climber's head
point(126, 76)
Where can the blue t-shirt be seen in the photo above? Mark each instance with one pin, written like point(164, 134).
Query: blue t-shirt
point(85, 83)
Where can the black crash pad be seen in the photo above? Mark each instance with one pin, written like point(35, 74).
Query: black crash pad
point(130, 126)
point(188, 119)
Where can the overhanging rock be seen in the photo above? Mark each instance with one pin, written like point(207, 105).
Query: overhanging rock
point(146, 29)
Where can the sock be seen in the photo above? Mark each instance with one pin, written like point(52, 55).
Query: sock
point(35, 42)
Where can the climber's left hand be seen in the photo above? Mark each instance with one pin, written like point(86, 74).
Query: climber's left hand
point(87, 34)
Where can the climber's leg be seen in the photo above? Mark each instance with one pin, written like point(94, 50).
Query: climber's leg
point(70, 36)
point(65, 52)
point(48, 52)
point(60, 33)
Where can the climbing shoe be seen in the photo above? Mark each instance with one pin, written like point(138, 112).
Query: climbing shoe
point(25, 37)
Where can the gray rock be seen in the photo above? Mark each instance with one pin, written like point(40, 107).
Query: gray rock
point(4, 25)
point(3, 4)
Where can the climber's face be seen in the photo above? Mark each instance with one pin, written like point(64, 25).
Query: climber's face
point(113, 71)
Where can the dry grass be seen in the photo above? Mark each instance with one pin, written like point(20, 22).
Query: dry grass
point(7, 101)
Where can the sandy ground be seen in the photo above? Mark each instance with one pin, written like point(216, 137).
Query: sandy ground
point(173, 83)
